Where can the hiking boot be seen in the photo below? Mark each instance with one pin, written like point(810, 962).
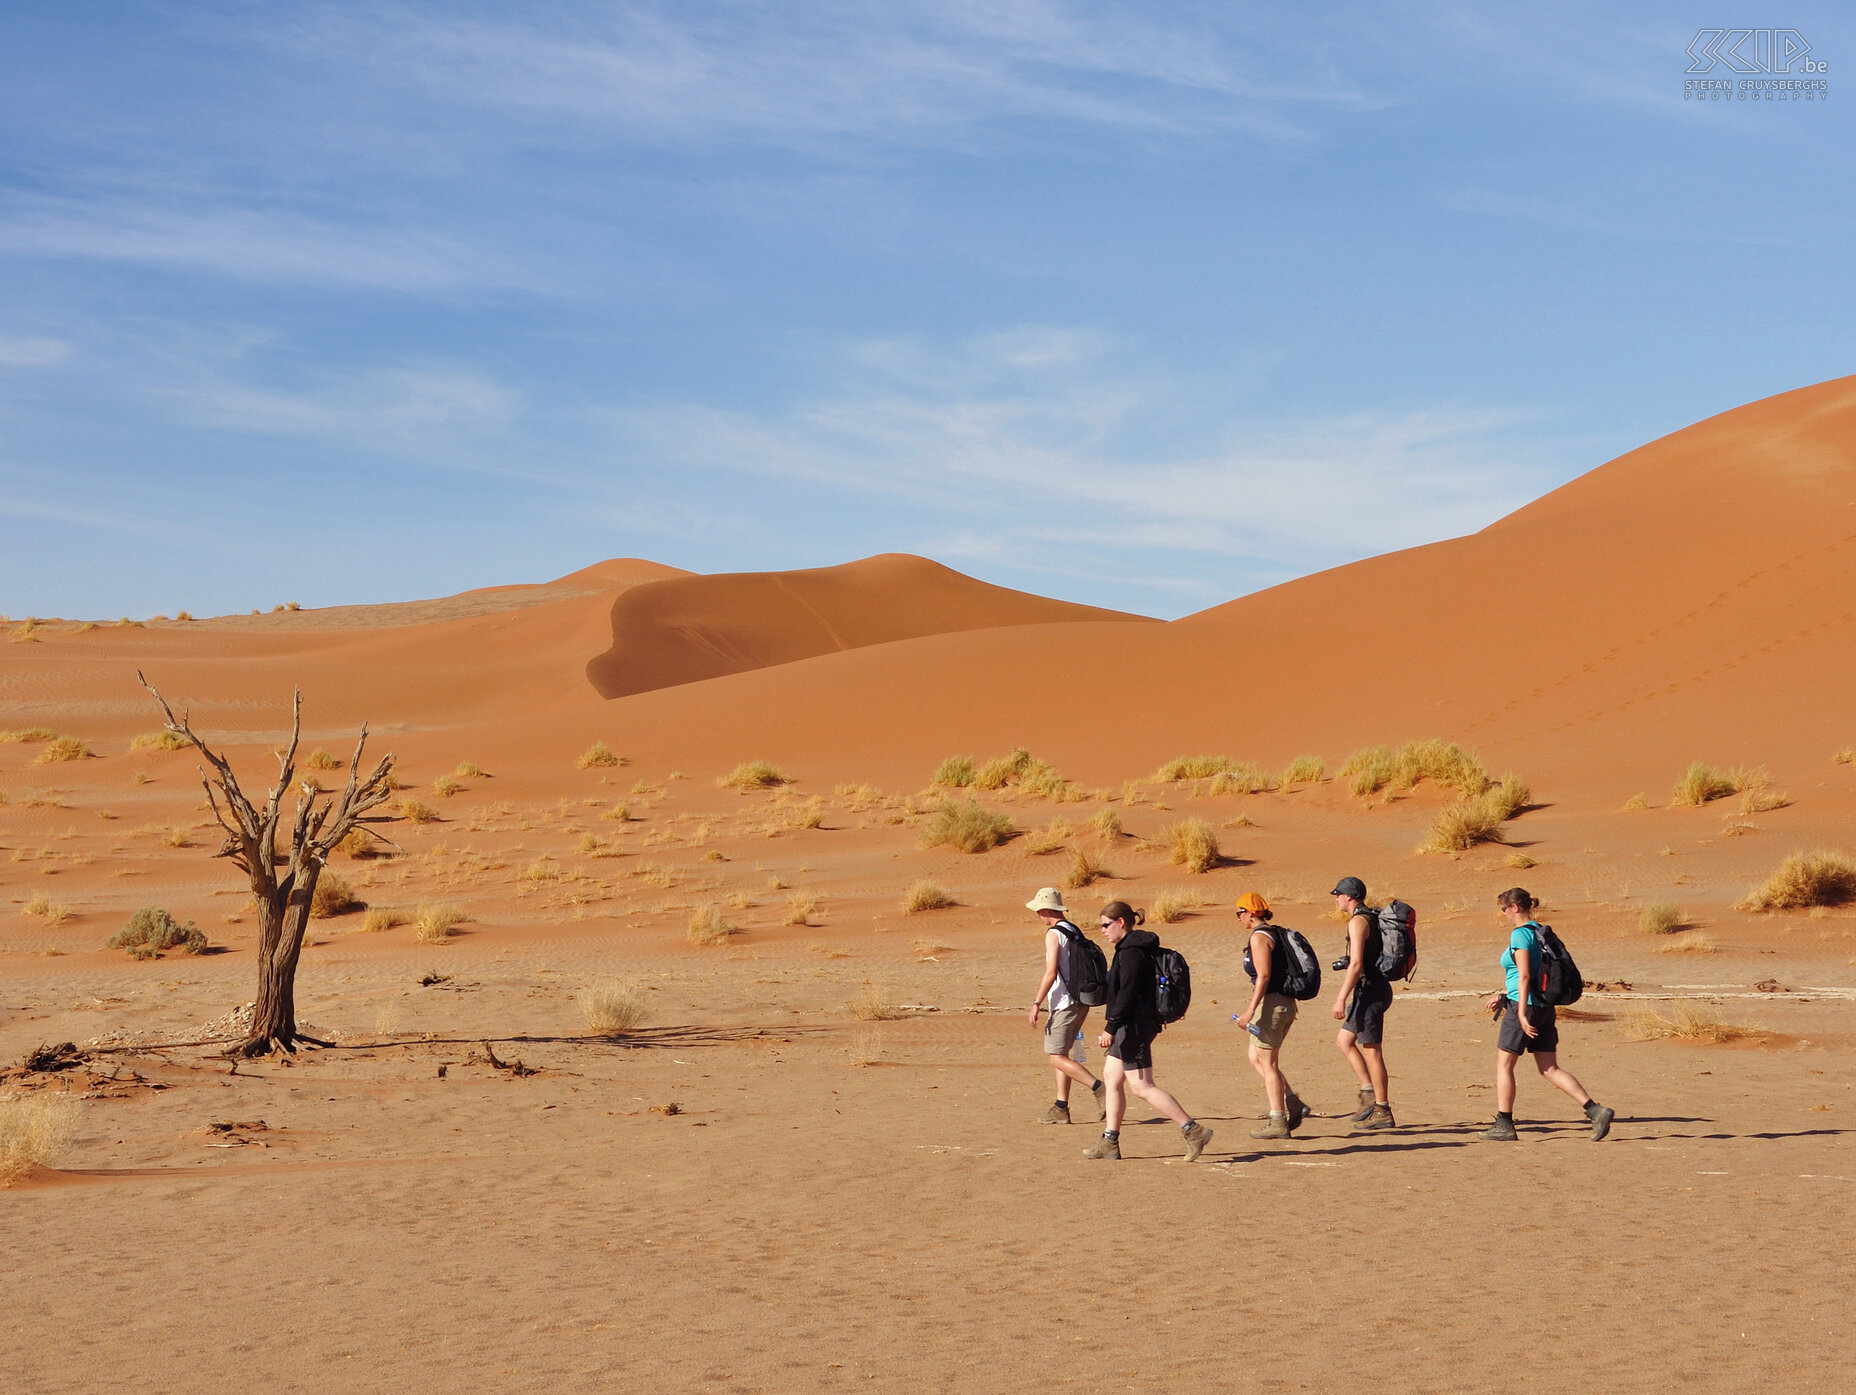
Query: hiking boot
point(1601, 1122)
point(1106, 1147)
point(1501, 1131)
point(1278, 1127)
point(1196, 1138)
point(1056, 1114)
point(1100, 1092)
point(1378, 1117)
point(1367, 1106)
point(1297, 1111)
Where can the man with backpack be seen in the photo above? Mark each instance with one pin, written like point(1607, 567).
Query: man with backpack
point(1360, 1007)
point(1075, 978)
point(1135, 1014)
point(1280, 970)
point(1536, 983)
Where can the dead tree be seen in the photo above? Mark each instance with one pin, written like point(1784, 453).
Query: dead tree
point(282, 886)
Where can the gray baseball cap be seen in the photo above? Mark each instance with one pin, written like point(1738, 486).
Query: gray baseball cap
point(1350, 886)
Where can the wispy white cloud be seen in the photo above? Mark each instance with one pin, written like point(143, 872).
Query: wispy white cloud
point(26, 352)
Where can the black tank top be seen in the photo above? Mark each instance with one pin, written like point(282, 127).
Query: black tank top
point(1375, 946)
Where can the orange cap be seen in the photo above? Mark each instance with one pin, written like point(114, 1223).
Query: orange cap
point(1253, 903)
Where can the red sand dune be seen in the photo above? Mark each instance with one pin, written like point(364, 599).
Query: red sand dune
point(697, 627)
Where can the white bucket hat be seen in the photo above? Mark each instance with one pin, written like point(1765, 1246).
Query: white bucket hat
point(1047, 899)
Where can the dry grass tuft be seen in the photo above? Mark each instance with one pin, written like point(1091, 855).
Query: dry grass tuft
point(1701, 783)
point(1085, 870)
point(1763, 801)
point(753, 775)
point(445, 786)
point(599, 756)
point(29, 736)
point(333, 896)
point(965, 824)
point(925, 895)
point(469, 770)
point(415, 811)
point(1174, 904)
point(1240, 779)
point(159, 741)
point(707, 927)
point(1107, 824)
point(1635, 802)
point(320, 759)
point(1022, 771)
point(619, 813)
point(62, 748)
point(1444, 763)
point(34, 1130)
point(1462, 825)
point(801, 906)
point(1195, 768)
point(152, 932)
point(1683, 1022)
point(1821, 878)
point(1519, 860)
point(52, 912)
point(1660, 918)
point(874, 1003)
point(613, 1005)
point(1048, 839)
point(1847, 756)
point(434, 921)
point(1304, 770)
point(380, 918)
point(956, 772)
point(1194, 845)
point(1687, 942)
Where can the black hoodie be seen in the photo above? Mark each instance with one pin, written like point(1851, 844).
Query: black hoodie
point(1131, 986)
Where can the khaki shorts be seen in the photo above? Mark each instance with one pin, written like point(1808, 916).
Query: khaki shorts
point(1275, 1015)
point(1061, 1028)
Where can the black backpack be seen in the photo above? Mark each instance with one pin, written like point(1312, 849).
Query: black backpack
point(1560, 982)
point(1172, 983)
point(1088, 979)
point(1398, 941)
point(1297, 971)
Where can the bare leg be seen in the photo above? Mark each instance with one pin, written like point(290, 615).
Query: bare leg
point(1142, 1083)
point(1263, 1058)
point(1344, 1039)
point(1375, 1059)
point(1504, 1081)
point(1067, 1070)
point(1556, 1074)
point(1115, 1094)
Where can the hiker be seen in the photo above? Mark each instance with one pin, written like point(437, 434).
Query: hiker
point(1270, 1015)
point(1128, 1034)
point(1528, 1025)
point(1065, 949)
point(1361, 1005)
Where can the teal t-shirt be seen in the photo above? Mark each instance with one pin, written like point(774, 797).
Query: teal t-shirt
point(1525, 937)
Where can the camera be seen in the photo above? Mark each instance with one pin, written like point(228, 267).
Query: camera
point(1339, 966)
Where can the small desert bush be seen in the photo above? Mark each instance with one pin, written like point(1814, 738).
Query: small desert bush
point(1682, 1021)
point(1763, 801)
point(159, 741)
point(707, 927)
point(1194, 845)
point(612, 1005)
point(599, 755)
point(415, 811)
point(320, 759)
point(361, 844)
point(62, 748)
point(1107, 824)
point(152, 932)
point(965, 824)
point(468, 770)
point(445, 786)
point(1444, 763)
point(1686, 942)
point(1819, 878)
point(1636, 802)
point(1085, 870)
point(29, 736)
point(1304, 770)
point(753, 775)
point(333, 895)
point(1701, 783)
point(1467, 822)
point(1024, 771)
point(1660, 918)
point(1172, 904)
point(801, 906)
point(34, 1130)
point(434, 921)
point(380, 918)
point(956, 772)
point(925, 895)
point(874, 1003)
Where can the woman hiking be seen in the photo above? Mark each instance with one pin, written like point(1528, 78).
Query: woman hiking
point(1067, 1015)
point(1268, 1018)
point(1128, 1034)
point(1528, 1024)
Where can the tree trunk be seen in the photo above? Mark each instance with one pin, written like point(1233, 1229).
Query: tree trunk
point(282, 920)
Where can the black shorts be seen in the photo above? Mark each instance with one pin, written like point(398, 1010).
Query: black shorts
point(1515, 1041)
point(1134, 1053)
point(1366, 1013)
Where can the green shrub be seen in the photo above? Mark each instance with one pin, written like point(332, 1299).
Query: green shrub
point(152, 932)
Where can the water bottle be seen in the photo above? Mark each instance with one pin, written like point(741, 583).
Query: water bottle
point(1078, 1052)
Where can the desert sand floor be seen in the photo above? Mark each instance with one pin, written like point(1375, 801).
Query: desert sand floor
point(837, 1204)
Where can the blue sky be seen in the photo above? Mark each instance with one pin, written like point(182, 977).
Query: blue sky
point(1142, 305)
